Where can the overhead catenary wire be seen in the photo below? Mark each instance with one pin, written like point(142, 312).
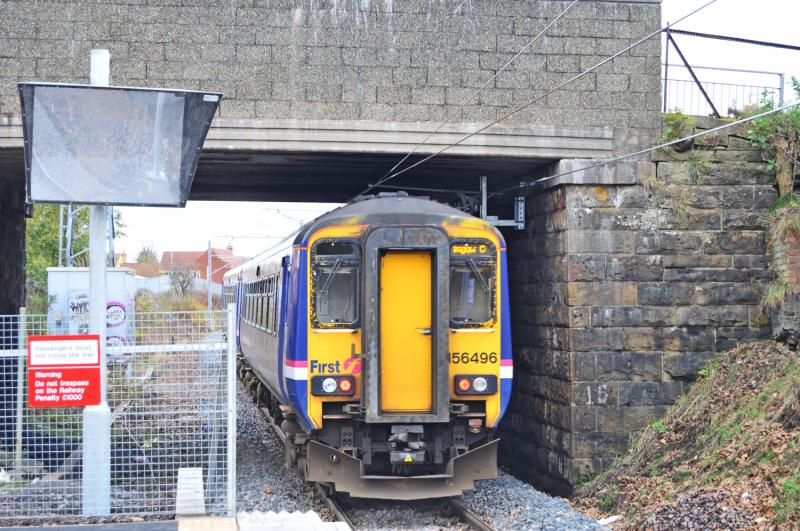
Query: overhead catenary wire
point(649, 149)
point(474, 94)
point(574, 78)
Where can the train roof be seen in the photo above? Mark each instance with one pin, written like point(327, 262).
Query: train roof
point(390, 208)
point(383, 208)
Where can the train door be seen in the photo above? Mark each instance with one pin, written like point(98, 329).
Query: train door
point(406, 369)
point(405, 331)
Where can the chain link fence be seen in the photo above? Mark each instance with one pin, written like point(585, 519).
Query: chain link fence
point(171, 392)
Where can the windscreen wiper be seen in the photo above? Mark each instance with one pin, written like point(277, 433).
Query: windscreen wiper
point(328, 281)
point(476, 271)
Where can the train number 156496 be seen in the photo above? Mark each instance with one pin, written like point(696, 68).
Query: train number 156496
point(475, 357)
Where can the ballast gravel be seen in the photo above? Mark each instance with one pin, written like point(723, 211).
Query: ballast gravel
point(508, 503)
point(264, 484)
point(388, 515)
point(262, 481)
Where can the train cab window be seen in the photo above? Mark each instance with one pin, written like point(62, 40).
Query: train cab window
point(336, 273)
point(472, 284)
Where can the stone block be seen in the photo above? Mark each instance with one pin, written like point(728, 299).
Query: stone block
point(592, 339)
point(591, 445)
point(606, 196)
point(604, 218)
point(735, 242)
point(743, 220)
point(716, 294)
point(697, 260)
point(611, 316)
point(394, 94)
point(690, 218)
point(652, 339)
point(628, 366)
point(639, 268)
point(586, 241)
point(601, 293)
point(665, 293)
point(584, 469)
point(612, 82)
point(627, 418)
point(583, 366)
point(586, 267)
point(594, 393)
point(743, 155)
point(669, 242)
point(758, 261)
point(584, 419)
point(580, 317)
point(764, 196)
point(649, 393)
point(737, 173)
point(684, 365)
point(730, 337)
point(706, 275)
point(720, 197)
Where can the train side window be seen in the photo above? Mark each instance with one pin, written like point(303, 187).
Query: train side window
point(336, 275)
point(267, 302)
point(472, 284)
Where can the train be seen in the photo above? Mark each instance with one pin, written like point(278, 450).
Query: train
point(377, 338)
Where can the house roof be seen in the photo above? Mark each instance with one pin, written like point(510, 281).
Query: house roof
point(147, 269)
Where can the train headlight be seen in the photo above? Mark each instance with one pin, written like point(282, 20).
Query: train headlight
point(329, 385)
point(484, 384)
point(335, 385)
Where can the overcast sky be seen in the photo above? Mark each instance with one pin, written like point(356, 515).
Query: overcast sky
point(248, 226)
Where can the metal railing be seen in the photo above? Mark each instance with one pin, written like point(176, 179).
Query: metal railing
point(716, 94)
point(684, 94)
point(172, 396)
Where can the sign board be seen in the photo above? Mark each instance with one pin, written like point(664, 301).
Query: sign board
point(63, 371)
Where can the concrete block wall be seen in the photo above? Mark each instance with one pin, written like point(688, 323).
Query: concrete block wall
point(395, 60)
point(617, 301)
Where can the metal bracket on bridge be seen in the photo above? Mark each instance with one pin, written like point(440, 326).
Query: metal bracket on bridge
point(519, 210)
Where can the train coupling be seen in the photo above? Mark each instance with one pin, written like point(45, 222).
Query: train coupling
point(407, 446)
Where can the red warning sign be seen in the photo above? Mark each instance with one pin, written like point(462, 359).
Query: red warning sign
point(63, 371)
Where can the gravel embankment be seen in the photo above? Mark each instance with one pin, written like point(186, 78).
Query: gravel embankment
point(508, 503)
point(262, 481)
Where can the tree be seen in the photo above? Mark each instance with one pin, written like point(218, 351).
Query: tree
point(147, 255)
point(41, 249)
point(181, 279)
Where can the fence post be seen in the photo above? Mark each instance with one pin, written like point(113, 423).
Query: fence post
point(231, 401)
point(22, 359)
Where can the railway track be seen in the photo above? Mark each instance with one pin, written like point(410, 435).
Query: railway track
point(454, 507)
point(457, 509)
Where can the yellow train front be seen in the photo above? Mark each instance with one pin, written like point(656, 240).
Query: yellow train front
point(379, 339)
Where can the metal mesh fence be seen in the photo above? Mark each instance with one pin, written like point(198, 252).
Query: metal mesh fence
point(169, 392)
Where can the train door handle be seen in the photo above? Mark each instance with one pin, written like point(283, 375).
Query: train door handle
point(424, 331)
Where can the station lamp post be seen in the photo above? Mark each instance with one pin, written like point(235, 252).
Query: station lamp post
point(102, 145)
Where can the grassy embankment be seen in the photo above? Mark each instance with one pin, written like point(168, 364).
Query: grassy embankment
point(736, 432)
